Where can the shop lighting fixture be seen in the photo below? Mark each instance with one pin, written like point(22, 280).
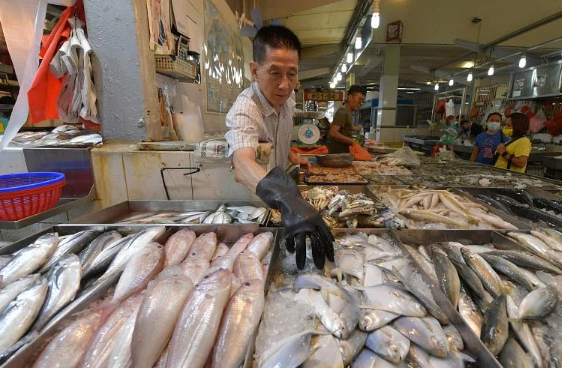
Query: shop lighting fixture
point(469, 77)
point(522, 61)
point(344, 68)
point(491, 70)
point(358, 43)
point(376, 18)
point(350, 57)
point(451, 82)
point(437, 86)
point(332, 85)
point(339, 77)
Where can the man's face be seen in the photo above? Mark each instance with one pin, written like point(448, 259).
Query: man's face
point(277, 75)
point(466, 125)
point(355, 101)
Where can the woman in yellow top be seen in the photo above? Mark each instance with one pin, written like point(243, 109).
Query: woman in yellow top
point(514, 154)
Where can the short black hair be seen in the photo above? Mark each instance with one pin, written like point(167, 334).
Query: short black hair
point(520, 123)
point(465, 121)
point(494, 113)
point(357, 89)
point(276, 37)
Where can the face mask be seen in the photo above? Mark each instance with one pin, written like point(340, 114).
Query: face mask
point(493, 126)
point(507, 131)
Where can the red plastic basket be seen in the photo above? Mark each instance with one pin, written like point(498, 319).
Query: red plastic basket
point(21, 197)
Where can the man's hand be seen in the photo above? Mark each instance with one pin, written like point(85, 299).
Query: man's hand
point(296, 159)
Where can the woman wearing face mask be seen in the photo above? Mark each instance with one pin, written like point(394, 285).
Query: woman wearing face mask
point(507, 130)
point(515, 153)
point(486, 143)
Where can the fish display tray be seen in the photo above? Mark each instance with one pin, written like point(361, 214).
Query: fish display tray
point(227, 233)
point(112, 215)
point(309, 178)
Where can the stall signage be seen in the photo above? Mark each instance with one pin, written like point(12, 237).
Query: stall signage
point(323, 96)
point(394, 31)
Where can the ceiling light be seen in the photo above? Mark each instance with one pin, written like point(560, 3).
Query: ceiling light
point(339, 77)
point(409, 89)
point(358, 43)
point(523, 61)
point(332, 85)
point(491, 70)
point(467, 64)
point(376, 20)
point(344, 68)
point(350, 57)
point(469, 77)
point(451, 82)
point(436, 86)
point(428, 83)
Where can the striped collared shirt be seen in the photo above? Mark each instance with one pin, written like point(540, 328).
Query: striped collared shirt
point(252, 119)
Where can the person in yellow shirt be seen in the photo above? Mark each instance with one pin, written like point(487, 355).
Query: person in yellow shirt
point(514, 154)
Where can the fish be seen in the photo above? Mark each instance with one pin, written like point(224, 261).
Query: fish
point(538, 304)
point(247, 267)
point(195, 268)
point(508, 269)
point(290, 352)
point(73, 244)
point(222, 249)
point(239, 322)
point(12, 290)
point(121, 355)
point(96, 246)
point(326, 353)
point(470, 278)
point(425, 332)
point(470, 313)
point(424, 263)
point(366, 359)
point(161, 363)
point(64, 282)
point(157, 317)
point(4, 259)
point(389, 344)
point(260, 244)
point(393, 300)
point(177, 247)
point(29, 259)
point(338, 324)
point(350, 347)
point(450, 202)
point(227, 261)
point(454, 337)
point(484, 271)
point(131, 247)
point(513, 356)
point(204, 246)
point(139, 271)
point(523, 332)
point(527, 260)
point(455, 359)
point(447, 275)
point(549, 237)
point(20, 314)
point(427, 216)
point(492, 219)
point(535, 281)
point(99, 350)
point(493, 203)
point(419, 357)
point(104, 258)
point(66, 349)
point(495, 329)
point(197, 326)
point(350, 262)
point(372, 319)
point(533, 244)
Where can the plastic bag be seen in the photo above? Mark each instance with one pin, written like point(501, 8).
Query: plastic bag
point(536, 123)
point(406, 155)
point(440, 107)
point(359, 153)
point(450, 109)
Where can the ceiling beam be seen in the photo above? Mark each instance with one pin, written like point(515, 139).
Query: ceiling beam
point(362, 70)
point(279, 9)
point(319, 51)
point(498, 52)
point(313, 73)
point(461, 79)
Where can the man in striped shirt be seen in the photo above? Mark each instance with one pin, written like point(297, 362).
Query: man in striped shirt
point(264, 112)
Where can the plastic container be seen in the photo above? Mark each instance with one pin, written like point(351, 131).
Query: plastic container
point(189, 123)
point(24, 195)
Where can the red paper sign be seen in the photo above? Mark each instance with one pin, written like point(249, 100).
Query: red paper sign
point(394, 31)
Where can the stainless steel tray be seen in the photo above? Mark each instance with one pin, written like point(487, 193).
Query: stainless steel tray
point(112, 215)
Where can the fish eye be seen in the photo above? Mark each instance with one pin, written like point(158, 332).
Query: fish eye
point(247, 283)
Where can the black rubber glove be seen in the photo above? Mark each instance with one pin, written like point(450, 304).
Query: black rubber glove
point(280, 192)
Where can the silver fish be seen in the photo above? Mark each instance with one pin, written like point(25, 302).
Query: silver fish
point(326, 353)
point(494, 332)
point(426, 264)
point(106, 256)
point(260, 244)
point(290, 352)
point(508, 269)
point(177, 247)
point(372, 319)
point(470, 313)
point(367, 359)
point(532, 243)
point(66, 349)
point(195, 332)
point(447, 275)
point(425, 332)
point(484, 271)
point(163, 302)
point(73, 244)
point(20, 314)
point(350, 262)
point(12, 290)
point(4, 259)
point(513, 356)
point(538, 304)
point(92, 250)
point(454, 337)
point(139, 271)
point(64, 282)
point(29, 259)
point(331, 320)
point(523, 332)
point(455, 359)
point(239, 322)
point(351, 347)
point(527, 260)
point(550, 237)
point(419, 357)
point(389, 344)
point(393, 300)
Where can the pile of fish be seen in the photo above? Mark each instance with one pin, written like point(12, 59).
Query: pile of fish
point(522, 204)
point(504, 295)
point(223, 215)
point(371, 309)
point(38, 281)
point(340, 209)
point(64, 135)
point(438, 209)
point(189, 303)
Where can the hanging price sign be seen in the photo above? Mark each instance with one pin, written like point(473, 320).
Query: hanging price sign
point(323, 96)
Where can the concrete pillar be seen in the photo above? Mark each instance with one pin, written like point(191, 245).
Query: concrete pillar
point(126, 80)
point(388, 89)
